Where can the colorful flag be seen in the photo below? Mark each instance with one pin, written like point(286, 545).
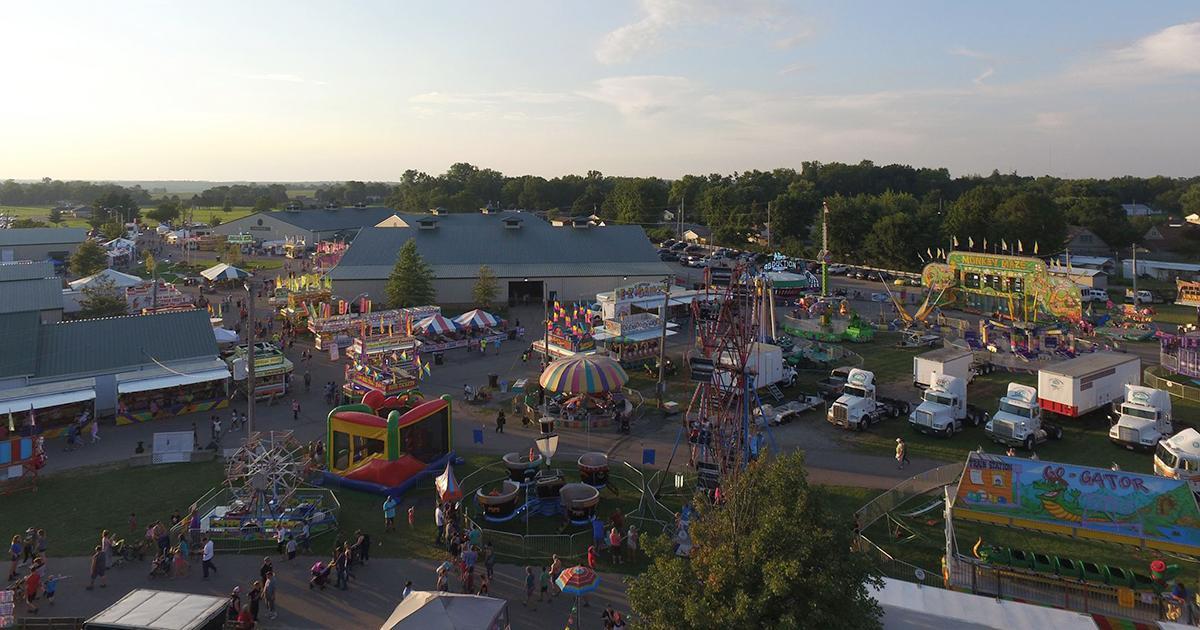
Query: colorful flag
point(970, 243)
point(929, 252)
point(956, 241)
point(1003, 245)
point(1020, 247)
point(1035, 247)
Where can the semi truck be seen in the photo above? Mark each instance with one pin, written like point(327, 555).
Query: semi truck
point(1142, 419)
point(948, 361)
point(858, 407)
point(1086, 383)
point(831, 386)
point(1178, 457)
point(1018, 420)
point(944, 409)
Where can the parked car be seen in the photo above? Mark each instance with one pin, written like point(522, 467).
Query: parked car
point(668, 256)
point(678, 247)
point(879, 297)
point(837, 270)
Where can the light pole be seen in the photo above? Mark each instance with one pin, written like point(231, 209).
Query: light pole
point(661, 388)
point(250, 387)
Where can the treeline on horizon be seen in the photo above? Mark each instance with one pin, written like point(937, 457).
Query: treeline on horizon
point(885, 215)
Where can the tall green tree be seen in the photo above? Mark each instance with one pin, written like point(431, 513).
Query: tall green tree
point(88, 259)
point(1031, 216)
point(485, 289)
point(227, 204)
point(55, 216)
point(102, 299)
point(772, 555)
point(264, 204)
point(167, 211)
point(112, 230)
point(1189, 200)
point(411, 282)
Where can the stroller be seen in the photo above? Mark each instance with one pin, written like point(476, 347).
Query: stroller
point(123, 551)
point(161, 565)
point(320, 576)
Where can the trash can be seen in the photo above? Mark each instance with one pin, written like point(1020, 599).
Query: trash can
point(439, 358)
point(493, 381)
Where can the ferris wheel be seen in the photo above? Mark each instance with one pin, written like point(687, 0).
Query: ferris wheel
point(264, 474)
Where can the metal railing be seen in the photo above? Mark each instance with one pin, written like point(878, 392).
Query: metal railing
point(892, 567)
point(256, 539)
point(1056, 591)
point(1175, 388)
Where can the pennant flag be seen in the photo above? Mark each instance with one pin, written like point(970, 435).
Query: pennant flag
point(1003, 245)
point(425, 369)
point(1035, 247)
point(970, 243)
point(928, 252)
point(956, 241)
point(11, 427)
point(1020, 247)
point(985, 243)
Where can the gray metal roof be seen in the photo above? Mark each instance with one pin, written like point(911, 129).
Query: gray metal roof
point(1085, 364)
point(42, 236)
point(462, 242)
point(26, 270)
point(38, 294)
point(19, 338)
point(115, 344)
point(322, 220)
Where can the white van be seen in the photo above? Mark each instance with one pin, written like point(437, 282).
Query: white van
point(1088, 294)
point(1178, 457)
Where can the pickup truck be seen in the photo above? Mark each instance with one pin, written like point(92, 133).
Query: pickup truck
point(832, 385)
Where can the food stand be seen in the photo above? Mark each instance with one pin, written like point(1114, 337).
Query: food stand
point(271, 369)
point(330, 328)
point(633, 339)
point(386, 377)
point(166, 392)
point(645, 297)
point(295, 248)
point(309, 287)
point(46, 409)
point(144, 296)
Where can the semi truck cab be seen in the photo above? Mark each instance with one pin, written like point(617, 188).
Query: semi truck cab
point(1142, 419)
point(1018, 420)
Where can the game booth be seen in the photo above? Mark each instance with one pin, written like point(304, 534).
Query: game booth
point(336, 324)
point(143, 297)
point(271, 369)
point(384, 445)
point(328, 255)
point(387, 376)
point(172, 391)
point(295, 293)
point(469, 330)
point(46, 410)
point(646, 297)
point(568, 334)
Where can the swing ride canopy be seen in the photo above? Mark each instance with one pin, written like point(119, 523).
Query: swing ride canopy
point(586, 374)
point(477, 318)
point(437, 325)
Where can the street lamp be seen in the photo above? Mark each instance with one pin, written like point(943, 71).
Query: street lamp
point(250, 393)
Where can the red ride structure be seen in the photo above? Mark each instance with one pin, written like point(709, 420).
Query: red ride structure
point(719, 420)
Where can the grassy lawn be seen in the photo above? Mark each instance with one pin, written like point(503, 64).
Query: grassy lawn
point(41, 213)
point(1174, 314)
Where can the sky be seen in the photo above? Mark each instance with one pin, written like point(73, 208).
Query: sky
point(302, 90)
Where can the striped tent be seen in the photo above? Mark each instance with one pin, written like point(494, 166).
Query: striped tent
point(590, 374)
point(477, 318)
point(436, 325)
point(447, 486)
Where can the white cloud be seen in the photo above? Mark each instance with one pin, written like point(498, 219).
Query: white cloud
point(284, 77)
point(1171, 52)
point(645, 95)
point(659, 19)
point(983, 76)
point(492, 98)
point(963, 51)
point(796, 67)
point(1051, 120)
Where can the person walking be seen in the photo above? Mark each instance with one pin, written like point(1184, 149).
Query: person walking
point(439, 519)
point(95, 431)
point(266, 568)
point(489, 560)
point(33, 584)
point(631, 542)
point(291, 549)
point(530, 581)
point(255, 599)
point(500, 420)
point(389, 514)
point(556, 568)
point(206, 557)
point(106, 547)
point(268, 594)
point(614, 543)
point(901, 453)
point(341, 563)
point(97, 569)
point(544, 581)
point(295, 409)
point(14, 556)
point(181, 555)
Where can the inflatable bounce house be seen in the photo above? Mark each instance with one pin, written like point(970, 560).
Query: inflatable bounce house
point(386, 444)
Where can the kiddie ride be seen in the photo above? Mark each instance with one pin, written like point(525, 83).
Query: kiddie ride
point(386, 444)
point(544, 491)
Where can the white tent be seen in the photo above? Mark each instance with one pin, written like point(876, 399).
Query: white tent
point(120, 280)
point(222, 271)
point(224, 335)
point(430, 610)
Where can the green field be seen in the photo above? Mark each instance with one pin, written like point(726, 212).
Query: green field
point(41, 213)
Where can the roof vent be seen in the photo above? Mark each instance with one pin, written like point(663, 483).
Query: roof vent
point(512, 223)
point(581, 222)
point(490, 209)
point(427, 223)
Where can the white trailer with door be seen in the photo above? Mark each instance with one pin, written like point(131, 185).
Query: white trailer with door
point(948, 361)
point(1088, 382)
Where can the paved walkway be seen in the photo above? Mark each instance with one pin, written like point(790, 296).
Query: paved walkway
point(373, 594)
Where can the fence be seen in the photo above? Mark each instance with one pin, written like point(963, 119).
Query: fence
point(1055, 591)
point(537, 547)
point(901, 493)
point(1175, 388)
point(258, 538)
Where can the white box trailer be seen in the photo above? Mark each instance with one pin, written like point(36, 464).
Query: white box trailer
point(1086, 383)
point(948, 361)
point(765, 363)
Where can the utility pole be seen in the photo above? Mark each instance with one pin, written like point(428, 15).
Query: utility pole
point(250, 393)
point(661, 388)
point(545, 324)
point(769, 226)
